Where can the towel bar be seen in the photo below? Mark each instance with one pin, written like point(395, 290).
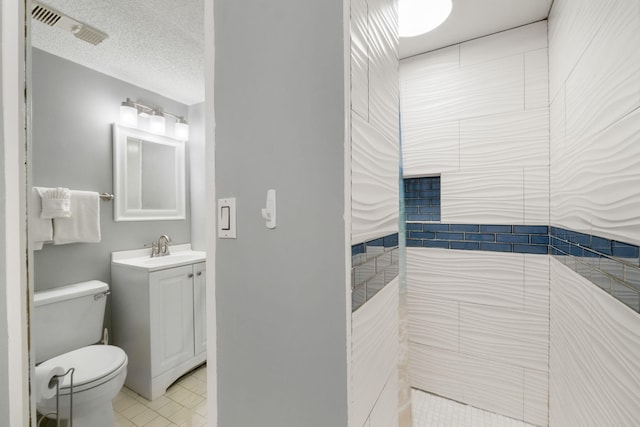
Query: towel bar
point(106, 197)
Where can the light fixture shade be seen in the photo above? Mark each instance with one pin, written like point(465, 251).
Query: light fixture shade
point(421, 16)
point(181, 129)
point(128, 113)
point(156, 122)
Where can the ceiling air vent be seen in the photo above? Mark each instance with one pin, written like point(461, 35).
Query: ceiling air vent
point(51, 17)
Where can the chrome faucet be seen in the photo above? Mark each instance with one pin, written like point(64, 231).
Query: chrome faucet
point(162, 247)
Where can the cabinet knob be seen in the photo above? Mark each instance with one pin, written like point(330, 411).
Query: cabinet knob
point(199, 273)
point(190, 275)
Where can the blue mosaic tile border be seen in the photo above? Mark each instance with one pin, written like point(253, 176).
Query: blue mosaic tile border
point(374, 264)
point(422, 198)
point(528, 239)
point(612, 265)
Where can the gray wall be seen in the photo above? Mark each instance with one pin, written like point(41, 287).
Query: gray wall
point(4, 337)
point(281, 294)
point(198, 183)
point(73, 109)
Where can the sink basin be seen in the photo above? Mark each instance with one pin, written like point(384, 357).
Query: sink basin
point(141, 258)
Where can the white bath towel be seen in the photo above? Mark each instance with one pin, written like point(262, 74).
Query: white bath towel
point(56, 202)
point(40, 230)
point(84, 223)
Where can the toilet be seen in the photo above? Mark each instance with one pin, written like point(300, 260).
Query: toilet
point(67, 324)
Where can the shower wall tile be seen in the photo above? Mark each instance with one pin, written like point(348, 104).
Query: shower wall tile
point(374, 344)
point(478, 90)
point(359, 58)
point(536, 195)
point(374, 181)
point(474, 380)
point(383, 67)
point(591, 332)
point(385, 413)
point(483, 196)
point(572, 25)
point(536, 284)
point(439, 61)
point(495, 279)
point(505, 335)
point(476, 318)
point(604, 84)
point(536, 78)
point(433, 321)
point(536, 396)
point(506, 43)
point(428, 150)
point(595, 190)
point(519, 139)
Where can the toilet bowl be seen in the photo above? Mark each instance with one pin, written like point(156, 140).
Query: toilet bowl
point(67, 323)
point(99, 374)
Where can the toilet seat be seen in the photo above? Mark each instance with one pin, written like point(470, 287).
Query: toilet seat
point(94, 365)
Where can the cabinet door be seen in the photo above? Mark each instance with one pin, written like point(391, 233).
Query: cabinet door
point(200, 307)
point(171, 306)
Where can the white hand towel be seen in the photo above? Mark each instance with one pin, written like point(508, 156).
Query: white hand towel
point(40, 230)
point(56, 202)
point(84, 223)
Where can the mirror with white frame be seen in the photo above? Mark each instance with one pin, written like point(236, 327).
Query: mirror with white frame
point(149, 176)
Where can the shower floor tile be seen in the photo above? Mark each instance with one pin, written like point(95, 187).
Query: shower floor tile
point(433, 411)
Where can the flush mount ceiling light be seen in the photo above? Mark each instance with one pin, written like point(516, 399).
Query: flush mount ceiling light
point(421, 16)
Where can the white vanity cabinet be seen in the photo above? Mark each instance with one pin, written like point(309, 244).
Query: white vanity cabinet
point(159, 320)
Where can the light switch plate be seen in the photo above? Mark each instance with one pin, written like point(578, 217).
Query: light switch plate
point(227, 218)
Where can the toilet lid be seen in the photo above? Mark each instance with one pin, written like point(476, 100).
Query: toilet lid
point(93, 364)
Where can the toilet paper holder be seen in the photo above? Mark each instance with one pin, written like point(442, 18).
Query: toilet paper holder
point(56, 381)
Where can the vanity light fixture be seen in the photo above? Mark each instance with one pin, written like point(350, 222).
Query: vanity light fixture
point(131, 110)
point(129, 113)
point(157, 122)
point(181, 129)
point(421, 16)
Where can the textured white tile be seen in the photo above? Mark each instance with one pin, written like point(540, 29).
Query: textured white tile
point(374, 180)
point(572, 26)
point(359, 58)
point(506, 43)
point(505, 336)
point(536, 195)
point(383, 67)
point(478, 382)
point(511, 140)
point(557, 126)
point(469, 276)
point(485, 196)
point(430, 149)
point(488, 88)
point(433, 321)
point(439, 61)
point(595, 189)
point(536, 283)
point(374, 343)
point(385, 413)
point(536, 79)
point(605, 83)
point(591, 332)
point(536, 397)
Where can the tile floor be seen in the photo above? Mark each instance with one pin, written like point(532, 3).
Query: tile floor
point(185, 405)
point(433, 411)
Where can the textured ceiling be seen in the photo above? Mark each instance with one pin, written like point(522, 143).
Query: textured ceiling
point(471, 19)
point(159, 44)
point(155, 44)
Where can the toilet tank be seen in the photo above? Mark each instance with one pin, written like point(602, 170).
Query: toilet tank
point(67, 318)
